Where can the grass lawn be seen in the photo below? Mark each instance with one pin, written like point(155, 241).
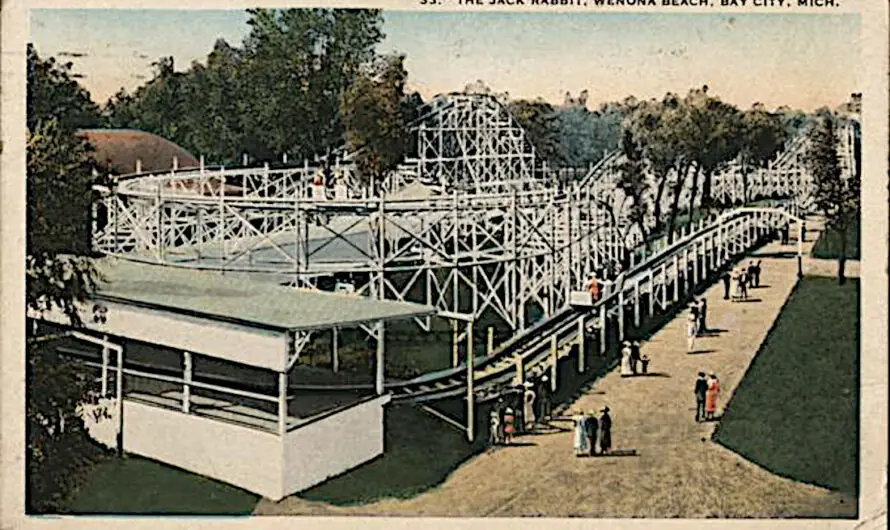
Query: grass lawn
point(795, 412)
point(135, 485)
point(829, 246)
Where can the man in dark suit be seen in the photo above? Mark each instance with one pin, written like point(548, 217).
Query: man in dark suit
point(725, 277)
point(701, 391)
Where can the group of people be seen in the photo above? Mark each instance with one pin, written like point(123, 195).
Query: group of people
point(707, 390)
point(736, 283)
point(696, 322)
point(590, 431)
point(519, 410)
point(632, 363)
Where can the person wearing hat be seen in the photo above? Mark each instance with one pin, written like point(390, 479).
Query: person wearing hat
point(701, 391)
point(711, 397)
point(544, 399)
point(691, 332)
point(635, 356)
point(494, 429)
point(528, 407)
point(605, 432)
point(509, 425)
point(580, 440)
point(626, 362)
point(725, 276)
point(593, 426)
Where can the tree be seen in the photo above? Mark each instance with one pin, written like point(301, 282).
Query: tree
point(58, 274)
point(761, 136)
point(632, 182)
point(376, 112)
point(52, 91)
point(539, 121)
point(836, 195)
point(712, 141)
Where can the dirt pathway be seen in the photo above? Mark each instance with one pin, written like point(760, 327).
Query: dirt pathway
point(678, 471)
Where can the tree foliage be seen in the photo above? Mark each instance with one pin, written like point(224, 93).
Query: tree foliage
point(57, 275)
point(836, 195)
point(761, 136)
point(538, 118)
point(278, 94)
point(376, 112)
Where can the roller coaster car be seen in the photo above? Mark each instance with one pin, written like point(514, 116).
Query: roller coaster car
point(344, 288)
point(581, 299)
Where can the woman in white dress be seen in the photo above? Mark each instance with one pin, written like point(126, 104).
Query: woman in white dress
point(691, 332)
point(626, 367)
point(528, 409)
point(580, 434)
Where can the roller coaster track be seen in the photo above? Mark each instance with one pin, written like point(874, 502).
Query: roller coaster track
point(542, 344)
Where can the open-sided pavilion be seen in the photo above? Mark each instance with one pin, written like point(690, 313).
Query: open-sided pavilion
point(173, 332)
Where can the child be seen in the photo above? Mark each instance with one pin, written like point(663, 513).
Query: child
point(509, 419)
point(645, 361)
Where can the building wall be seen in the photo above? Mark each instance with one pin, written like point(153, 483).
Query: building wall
point(245, 457)
point(257, 461)
point(334, 444)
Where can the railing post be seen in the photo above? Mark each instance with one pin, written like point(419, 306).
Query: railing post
point(637, 303)
point(651, 293)
point(602, 329)
point(676, 279)
point(621, 314)
point(471, 405)
point(554, 358)
point(581, 345)
point(490, 343)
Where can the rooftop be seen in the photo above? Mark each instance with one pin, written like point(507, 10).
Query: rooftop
point(233, 297)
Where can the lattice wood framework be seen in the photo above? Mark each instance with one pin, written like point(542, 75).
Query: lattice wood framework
point(487, 232)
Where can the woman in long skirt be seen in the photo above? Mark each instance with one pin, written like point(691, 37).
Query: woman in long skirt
point(626, 360)
point(528, 410)
point(580, 434)
point(691, 332)
point(711, 397)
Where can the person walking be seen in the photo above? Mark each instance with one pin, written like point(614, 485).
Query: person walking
point(743, 284)
point(711, 397)
point(644, 360)
point(626, 364)
point(635, 356)
point(528, 411)
point(544, 399)
point(500, 408)
point(494, 429)
point(509, 425)
point(702, 316)
point(803, 232)
point(592, 430)
point(580, 441)
point(605, 432)
point(691, 331)
point(726, 277)
point(701, 391)
point(593, 285)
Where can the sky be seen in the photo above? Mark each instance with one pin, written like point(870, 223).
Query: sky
point(804, 61)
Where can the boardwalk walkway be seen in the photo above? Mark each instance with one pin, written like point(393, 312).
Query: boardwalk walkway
point(678, 471)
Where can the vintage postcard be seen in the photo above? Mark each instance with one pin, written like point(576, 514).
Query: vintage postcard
point(471, 262)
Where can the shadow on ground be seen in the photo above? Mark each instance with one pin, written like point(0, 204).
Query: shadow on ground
point(795, 413)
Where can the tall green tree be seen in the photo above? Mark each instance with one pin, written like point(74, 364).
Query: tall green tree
point(376, 112)
point(58, 275)
point(633, 183)
point(53, 91)
point(836, 195)
point(299, 62)
point(712, 140)
point(539, 120)
point(761, 136)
